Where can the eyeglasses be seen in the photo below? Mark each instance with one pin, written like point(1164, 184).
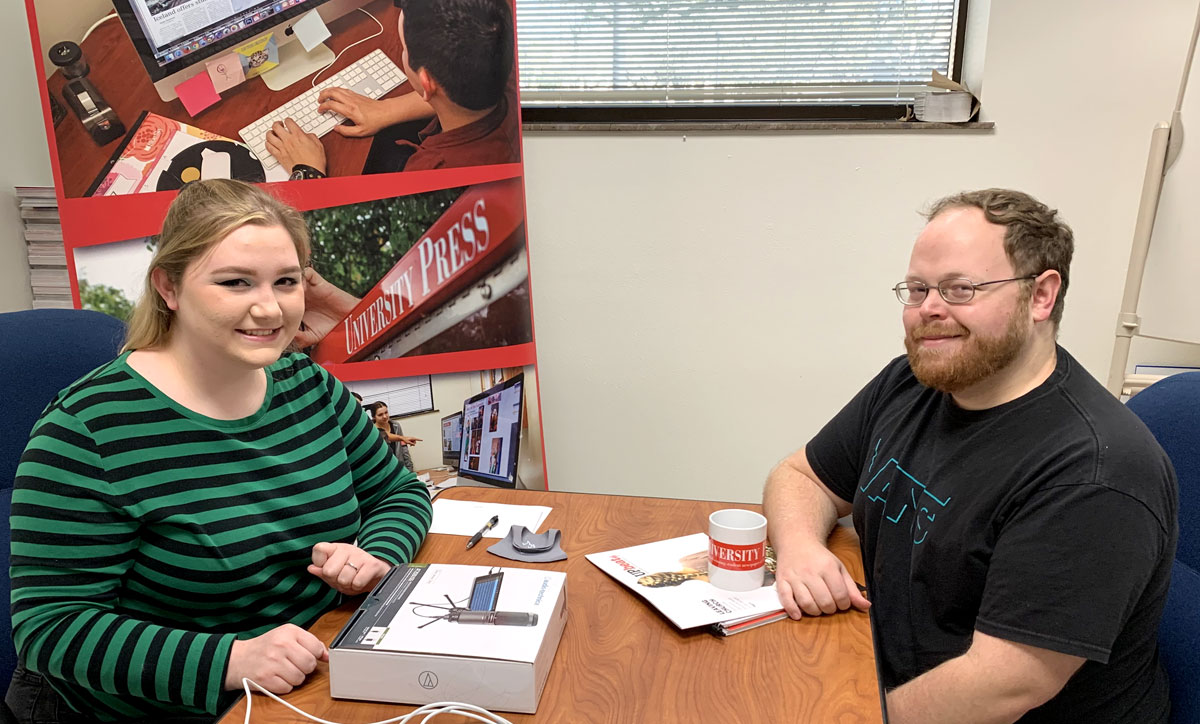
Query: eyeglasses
point(954, 291)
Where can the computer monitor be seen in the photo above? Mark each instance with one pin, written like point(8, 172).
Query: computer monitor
point(451, 439)
point(174, 38)
point(491, 434)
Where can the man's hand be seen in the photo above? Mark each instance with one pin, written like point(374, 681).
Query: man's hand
point(800, 512)
point(348, 569)
point(404, 440)
point(369, 116)
point(812, 580)
point(324, 306)
point(278, 660)
point(290, 145)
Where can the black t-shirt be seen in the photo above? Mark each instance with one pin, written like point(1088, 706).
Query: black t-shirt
point(1049, 521)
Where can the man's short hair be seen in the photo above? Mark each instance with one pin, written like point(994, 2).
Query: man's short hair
point(1035, 238)
point(466, 45)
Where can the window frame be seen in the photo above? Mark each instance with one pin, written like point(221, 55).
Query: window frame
point(627, 113)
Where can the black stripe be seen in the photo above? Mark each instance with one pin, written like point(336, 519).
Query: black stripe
point(207, 654)
point(65, 435)
point(153, 652)
point(54, 634)
point(125, 654)
point(96, 664)
point(106, 397)
point(66, 464)
point(39, 538)
point(175, 678)
point(153, 416)
point(33, 510)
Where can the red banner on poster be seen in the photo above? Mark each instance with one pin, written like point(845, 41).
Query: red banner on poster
point(476, 232)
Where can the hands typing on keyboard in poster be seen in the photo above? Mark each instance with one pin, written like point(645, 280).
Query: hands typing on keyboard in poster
point(289, 133)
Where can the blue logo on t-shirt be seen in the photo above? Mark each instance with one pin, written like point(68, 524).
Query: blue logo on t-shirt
point(897, 489)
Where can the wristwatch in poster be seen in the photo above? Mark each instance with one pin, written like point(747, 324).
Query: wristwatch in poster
point(303, 172)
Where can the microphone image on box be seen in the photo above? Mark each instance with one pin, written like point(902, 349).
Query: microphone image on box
point(482, 607)
point(498, 618)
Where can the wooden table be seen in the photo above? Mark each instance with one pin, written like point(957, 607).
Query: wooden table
point(122, 80)
point(620, 661)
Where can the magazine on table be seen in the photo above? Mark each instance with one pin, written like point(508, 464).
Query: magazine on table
point(672, 575)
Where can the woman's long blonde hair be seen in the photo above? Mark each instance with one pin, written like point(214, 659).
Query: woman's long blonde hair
point(204, 213)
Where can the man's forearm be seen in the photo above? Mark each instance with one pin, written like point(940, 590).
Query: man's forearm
point(967, 689)
point(408, 107)
point(798, 511)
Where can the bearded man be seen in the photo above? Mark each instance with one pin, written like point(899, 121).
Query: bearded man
point(1017, 522)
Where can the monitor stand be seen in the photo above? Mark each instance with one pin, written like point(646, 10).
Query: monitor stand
point(296, 63)
point(468, 483)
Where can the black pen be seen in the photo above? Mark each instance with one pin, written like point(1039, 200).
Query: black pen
point(486, 527)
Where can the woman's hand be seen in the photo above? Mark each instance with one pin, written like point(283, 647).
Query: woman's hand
point(346, 568)
point(278, 661)
point(325, 305)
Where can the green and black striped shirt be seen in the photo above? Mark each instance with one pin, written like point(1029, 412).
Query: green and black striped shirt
point(146, 538)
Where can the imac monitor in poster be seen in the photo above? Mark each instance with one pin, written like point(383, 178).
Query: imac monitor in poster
point(491, 434)
point(173, 37)
point(451, 439)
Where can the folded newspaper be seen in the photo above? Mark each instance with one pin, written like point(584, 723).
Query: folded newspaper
point(672, 575)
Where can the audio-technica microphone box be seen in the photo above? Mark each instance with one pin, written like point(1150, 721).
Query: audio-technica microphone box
point(441, 632)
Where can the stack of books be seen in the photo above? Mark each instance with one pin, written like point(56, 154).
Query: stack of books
point(44, 241)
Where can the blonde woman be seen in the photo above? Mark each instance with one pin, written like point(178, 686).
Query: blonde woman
point(210, 494)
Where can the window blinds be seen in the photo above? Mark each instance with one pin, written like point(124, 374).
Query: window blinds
point(711, 52)
point(403, 396)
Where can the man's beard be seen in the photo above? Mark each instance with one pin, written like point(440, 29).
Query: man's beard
point(976, 359)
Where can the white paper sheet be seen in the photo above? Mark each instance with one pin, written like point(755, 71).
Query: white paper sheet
point(466, 517)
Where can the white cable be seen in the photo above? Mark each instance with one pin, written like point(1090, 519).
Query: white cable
point(429, 710)
point(348, 47)
point(95, 25)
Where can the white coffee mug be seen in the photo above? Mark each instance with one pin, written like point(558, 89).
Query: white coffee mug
point(737, 541)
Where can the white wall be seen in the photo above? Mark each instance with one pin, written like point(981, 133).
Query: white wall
point(704, 303)
point(23, 148)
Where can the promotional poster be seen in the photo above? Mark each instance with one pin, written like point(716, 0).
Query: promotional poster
point(396, 134)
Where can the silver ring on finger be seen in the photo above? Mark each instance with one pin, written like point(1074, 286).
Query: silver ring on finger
point(352, 565)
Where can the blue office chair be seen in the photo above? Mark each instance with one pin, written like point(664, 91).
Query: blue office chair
point(41, 352)
point(1171, 409)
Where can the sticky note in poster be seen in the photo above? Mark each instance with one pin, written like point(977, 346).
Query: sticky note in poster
point(225, 71)
point(311, 30)
point(197, 93)
point(259, 55)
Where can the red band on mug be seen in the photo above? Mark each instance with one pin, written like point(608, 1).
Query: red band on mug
point(736, 558)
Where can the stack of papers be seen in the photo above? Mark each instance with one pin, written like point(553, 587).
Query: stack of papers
point(672, 576)
point(466, 517)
